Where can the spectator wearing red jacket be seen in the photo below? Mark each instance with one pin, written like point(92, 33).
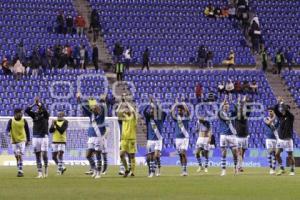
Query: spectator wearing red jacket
point(80, 24)
point(199, 92)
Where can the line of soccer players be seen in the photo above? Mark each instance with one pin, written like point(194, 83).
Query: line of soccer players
point(233, 127)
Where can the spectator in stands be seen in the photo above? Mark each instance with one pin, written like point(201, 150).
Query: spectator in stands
point(217, 12)
point(231, 12)
point(229, 87)
point(146, 59)
point(279, 59)
point(246, 87)
point(56, 61)
point(95, 24)
point(211, 97)
point(19, 69)
point(230, 61)
point(119, 71)
point(5, 67)
point(60, 21)
point(65, 57)
point(209, 59)
point(202, 56)
point(49, 57)
point(238, 87)
point(221, 87)
point(253, 86)
point(69, 24)
point(199, 92)
point(127, 56)
point(209, 11)
point(35, 63)
point(225, 12)
point(289, 56)
point(264, 57)
point(86, 59)
point(21, 52)
point(76, 57)
point(95, 56)
point(255, 35)
point(82, 57)
point(118, 52)
point(80, 24)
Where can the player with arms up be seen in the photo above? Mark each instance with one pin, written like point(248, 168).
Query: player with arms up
point(270, 129)
point(227, 135)
point(203, 141)
point(155, 117)
point(182, 135)
point(59, 139)
point(18, 130)
point(96, 131)
point(285, 136)
point(128, 115)
point(40, 140)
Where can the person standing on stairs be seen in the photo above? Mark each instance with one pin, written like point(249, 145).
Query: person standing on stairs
point(95, 56)
point(95, 24)
point(279, 59)
point(264, 57)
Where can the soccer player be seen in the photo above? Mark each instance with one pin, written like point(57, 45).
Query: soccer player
point(241, 124)
point(227, 136)
point(285, 137)
point(40, 140)
point(182, 135)
point(154, 117)
point(203, 142)
point(18, 130)
point(59, 139)
point(96, 131)
point(271, 124)
point(127, 113)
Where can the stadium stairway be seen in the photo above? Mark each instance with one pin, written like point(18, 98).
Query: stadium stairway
point(83, 7)
point(280, 89)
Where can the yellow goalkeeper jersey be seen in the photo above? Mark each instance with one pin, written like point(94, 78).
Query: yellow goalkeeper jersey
point(129, 125)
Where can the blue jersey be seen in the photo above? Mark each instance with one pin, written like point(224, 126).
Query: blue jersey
point(225, 123)
point(97, 122)
point(181, 125)
point(158, 123)
point(270, 129)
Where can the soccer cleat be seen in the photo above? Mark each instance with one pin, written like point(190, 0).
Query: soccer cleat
point(200, 168)
point(97, 176)
point(272, 172)
point(280, 172)
point(205, 170)
point(151, 175)
point(131, 174)
point(63, 170)
point(46, 173)
point(94, 174)
point(241, 169)
point(40, 175)
point(184, 174)
point(20, 174)
point(103, 173)
point(223, 172)
point(157, 172)
point(126, 174)
point(292, 174)
point(121, 173)
point(90, 172)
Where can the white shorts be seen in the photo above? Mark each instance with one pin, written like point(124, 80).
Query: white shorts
point(182, 144)
point(103, 145)
point(228, 141)
point(287, 145)
point(19, 148)
point(271, 143)
point(203, 143)
point(94, 143)
point(58, 147)
point(40, 144)
point(154, 145)
point(242, 142)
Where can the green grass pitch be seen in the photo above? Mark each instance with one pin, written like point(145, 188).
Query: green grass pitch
point(254, 183)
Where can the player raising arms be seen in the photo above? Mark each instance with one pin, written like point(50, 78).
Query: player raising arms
point(227, 135)
point(96, 131)
point(182, 135)
point(18, 130)
point(40, 140)
point(59, 139)
point(128, 115)
point(285, 136)
point(271, 124)
point(155, 118)
point(203, 141)
point(243, 111)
